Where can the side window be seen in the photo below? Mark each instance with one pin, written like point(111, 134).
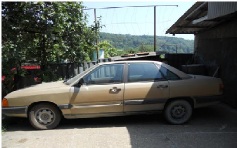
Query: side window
point(168, 74)
point(110, 73)
point(143, 72)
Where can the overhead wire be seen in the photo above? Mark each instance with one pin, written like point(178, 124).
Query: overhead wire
point(118, 24)
point(127, 7)
point(138, 25)
point(146, 21)
point(112, 20)
point(135, 20)
point(167, 39)
point(124, 19)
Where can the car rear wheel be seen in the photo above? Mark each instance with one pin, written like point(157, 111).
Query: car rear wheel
point(44, 116)
point(178, 112)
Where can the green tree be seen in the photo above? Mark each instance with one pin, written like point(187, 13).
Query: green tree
point(146, 48)
point(110, 51)
point(45, 32)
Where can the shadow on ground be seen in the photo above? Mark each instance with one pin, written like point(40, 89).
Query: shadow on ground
point(214, 126)
point(208, 116)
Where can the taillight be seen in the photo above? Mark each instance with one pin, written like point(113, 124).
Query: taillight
point(4, 102)
point(221, 87)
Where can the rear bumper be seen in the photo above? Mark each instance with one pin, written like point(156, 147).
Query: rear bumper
point(207, 100)
point(15, 111)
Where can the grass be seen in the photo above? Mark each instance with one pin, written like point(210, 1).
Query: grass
point(5, 123)
point(3, 129)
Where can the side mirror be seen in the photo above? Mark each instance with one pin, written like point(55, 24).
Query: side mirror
point(80, 83)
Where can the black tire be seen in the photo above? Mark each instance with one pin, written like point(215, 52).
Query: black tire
point(178, 112)
point(44, 116)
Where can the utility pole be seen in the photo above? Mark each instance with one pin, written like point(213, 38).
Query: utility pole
point(96, 42)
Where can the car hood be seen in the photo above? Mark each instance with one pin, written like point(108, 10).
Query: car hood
point(37, 89)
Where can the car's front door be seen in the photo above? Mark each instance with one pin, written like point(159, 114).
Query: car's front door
point(101, 92)
point(145, 89)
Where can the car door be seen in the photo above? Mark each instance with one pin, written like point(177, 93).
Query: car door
point(146, 88)
point(101, 92)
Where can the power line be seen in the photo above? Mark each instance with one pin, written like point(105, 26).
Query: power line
point(154, 6)
point(129, 7)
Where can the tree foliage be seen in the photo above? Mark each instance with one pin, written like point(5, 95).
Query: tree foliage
point(109, 49)
point(45, 32)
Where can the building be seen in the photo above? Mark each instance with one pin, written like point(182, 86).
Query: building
point(214, 25)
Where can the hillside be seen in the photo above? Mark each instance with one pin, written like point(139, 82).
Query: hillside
point(130, 42)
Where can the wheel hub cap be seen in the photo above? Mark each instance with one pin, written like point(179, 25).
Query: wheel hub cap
point(178, 112)
point(45, 116)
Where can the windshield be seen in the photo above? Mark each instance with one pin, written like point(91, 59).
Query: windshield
point(73, 79)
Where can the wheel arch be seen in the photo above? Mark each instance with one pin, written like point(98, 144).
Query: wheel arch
point(188, 99)
point(42, 102)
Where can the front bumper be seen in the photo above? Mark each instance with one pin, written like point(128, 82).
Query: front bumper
point(15, 111)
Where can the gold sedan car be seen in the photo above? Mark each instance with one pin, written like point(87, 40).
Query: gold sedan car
point(115, 89)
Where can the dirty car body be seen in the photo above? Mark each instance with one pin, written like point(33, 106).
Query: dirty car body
point(115, 89)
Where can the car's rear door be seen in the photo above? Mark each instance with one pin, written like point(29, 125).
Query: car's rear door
point(101, 93)
point(145, 88)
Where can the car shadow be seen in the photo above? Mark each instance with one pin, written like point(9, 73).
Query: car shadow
point(22, 124)
point(152, 130)
point(208, 116)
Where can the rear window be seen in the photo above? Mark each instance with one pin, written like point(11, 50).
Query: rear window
point(143, 72)
point(168, 74)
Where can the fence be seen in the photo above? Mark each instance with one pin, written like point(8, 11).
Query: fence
point(69, 70)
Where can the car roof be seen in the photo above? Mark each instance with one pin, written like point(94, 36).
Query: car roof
point(133, 61)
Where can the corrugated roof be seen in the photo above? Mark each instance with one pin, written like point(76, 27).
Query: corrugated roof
point(195, 20)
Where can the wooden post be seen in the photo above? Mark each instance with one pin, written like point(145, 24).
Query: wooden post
point(154, 28)
point(97, 51)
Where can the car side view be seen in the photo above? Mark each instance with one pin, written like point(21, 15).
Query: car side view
point(115, 89)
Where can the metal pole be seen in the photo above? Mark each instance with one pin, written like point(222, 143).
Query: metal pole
point(154, 28)
point(97, 51)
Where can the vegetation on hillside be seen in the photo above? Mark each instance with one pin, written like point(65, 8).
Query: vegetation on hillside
point(145, 43)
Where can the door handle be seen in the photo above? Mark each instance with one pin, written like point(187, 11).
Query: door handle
point(162, 86)
point(114, 90)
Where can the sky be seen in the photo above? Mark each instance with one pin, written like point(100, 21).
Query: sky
point(138, 21)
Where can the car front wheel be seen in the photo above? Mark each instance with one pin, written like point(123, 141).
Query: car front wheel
point(44, 116)
point(178, 112)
